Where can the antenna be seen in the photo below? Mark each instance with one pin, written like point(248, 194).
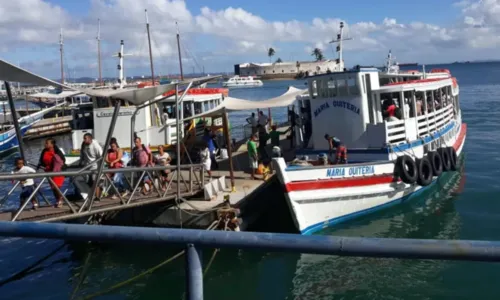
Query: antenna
point(99, 50)
point(61, 50)
point(339, 40)
point(121, 55)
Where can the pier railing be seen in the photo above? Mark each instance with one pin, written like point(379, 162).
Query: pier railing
point(194, 240)
point(191, 177)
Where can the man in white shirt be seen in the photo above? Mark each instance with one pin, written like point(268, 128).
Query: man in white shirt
point(252, 120)
point(90, 152)
point(263, 120)
point(28, 185)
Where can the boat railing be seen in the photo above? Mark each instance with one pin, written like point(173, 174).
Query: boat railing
point(192, 242)
point(190, 177)
point(429, 123)
point(396, 131)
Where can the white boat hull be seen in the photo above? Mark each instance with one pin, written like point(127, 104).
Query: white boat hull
point(317, 200)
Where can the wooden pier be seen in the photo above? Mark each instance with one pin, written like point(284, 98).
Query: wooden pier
point(49, 127)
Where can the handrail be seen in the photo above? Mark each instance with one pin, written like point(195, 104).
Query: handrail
point(487, 251)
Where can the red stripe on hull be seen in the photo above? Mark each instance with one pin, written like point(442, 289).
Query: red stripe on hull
point(461, 137)
point(337, 183)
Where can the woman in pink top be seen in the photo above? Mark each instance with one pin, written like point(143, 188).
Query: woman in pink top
point(142, 157)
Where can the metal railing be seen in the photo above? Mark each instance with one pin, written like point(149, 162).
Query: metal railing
point(191, 177)
point(194, 240)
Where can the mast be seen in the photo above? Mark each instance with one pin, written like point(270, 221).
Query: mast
point(120, 55)
point(99, 50)
point(179, 50)
point(340, 39)
point(150, 51)
point(61, 49)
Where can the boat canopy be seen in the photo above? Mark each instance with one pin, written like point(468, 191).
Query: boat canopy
point(61, 95)
point(235, 104)
point(10, 72)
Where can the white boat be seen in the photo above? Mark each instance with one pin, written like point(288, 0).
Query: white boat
point(390, 160)
point(244, 81)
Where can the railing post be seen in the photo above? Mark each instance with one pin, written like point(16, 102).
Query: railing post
point(194, 273)
point(191, 179)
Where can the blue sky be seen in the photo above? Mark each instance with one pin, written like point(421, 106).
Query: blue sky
point(224, 33)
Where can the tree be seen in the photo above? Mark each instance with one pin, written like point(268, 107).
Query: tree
point(279, 60)
point(318, 54)
point(270, 53)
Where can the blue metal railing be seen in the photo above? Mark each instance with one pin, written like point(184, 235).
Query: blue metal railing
point(191, 239)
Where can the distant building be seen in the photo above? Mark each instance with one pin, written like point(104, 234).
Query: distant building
point(288, 70)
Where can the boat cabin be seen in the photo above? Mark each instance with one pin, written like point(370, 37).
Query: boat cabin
point(354, 107)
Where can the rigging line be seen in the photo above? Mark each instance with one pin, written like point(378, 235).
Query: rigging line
point(189, 54)
point(155, 43)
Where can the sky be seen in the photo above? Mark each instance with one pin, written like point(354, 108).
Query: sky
point(217, 34)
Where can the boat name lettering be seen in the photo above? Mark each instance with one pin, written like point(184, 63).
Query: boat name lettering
point(346, 105)
point(103, 114)
point(352, 171)
point(336, 103)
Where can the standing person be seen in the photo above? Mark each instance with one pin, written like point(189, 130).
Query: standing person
point(90, 152)
point(341, 150)
point(164, 116)
point(275, 135)
point(52, 160)
point(114, 161)
point(252, 120)
point(209, 137)
point(28, 185)
point(205, 158)
point(252, 155)
point(142, 157)
point(263, 121)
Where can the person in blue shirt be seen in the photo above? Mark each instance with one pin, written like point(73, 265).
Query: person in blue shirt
point(208, 137)
point(339, 147)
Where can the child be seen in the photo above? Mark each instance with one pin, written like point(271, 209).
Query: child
point(163, 159)
point(26, 184)
point(205, 158)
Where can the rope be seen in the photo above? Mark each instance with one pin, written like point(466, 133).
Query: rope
point(209, 264)
point(82, 276)
point(130, 280)
point(148, 271)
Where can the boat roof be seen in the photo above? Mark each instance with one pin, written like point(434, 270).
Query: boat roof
point(350, 71)
point(63, 94)
point(420, 85)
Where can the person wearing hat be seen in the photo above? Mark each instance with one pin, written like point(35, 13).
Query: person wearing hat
point(340, 149)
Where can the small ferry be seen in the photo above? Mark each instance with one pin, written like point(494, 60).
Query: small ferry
point(243, 81)
point(390, 158)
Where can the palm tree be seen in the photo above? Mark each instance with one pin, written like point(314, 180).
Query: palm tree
point(279, 60)
point(318, 54)
point(270, 53)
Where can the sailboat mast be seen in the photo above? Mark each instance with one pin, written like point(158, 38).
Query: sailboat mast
point(179, 50)
point(99, 51)
point(61, 49)
point(150, 51)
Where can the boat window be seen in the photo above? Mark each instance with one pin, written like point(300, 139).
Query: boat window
point(353, 87)
point(391, 113)
point(205, 106)
point(332, 88)
point(313, 88)
point(409, 109)
point(102, 102)
point(342, 87)
point(421, 105)
point(364, 84)
point(197, 108)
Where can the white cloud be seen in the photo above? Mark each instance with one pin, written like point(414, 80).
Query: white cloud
point(233, 35)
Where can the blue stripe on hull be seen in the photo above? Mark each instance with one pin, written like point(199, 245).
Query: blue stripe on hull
point(8, 143)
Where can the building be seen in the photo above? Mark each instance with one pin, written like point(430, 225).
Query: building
point(288, 70)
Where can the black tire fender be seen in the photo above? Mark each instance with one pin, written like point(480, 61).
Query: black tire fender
point(406, 169)
point(424, 168)
point(436, 163)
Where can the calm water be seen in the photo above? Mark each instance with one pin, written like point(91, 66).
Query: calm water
point(462, 206)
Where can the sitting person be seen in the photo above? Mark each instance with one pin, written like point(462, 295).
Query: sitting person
point(114, 160)
point(163, 159)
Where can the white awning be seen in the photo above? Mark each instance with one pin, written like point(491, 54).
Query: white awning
point(63, 94)
point(10, 72)
point(235, 104)
point(138, 96)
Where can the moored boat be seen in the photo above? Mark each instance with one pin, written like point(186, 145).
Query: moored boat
point(391, 158)
point(243, 81)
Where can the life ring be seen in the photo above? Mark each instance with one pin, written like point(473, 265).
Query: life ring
point(424, 168)
point(436, 163)
point(453, 158)
point(406, 169)
point(445, 157)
